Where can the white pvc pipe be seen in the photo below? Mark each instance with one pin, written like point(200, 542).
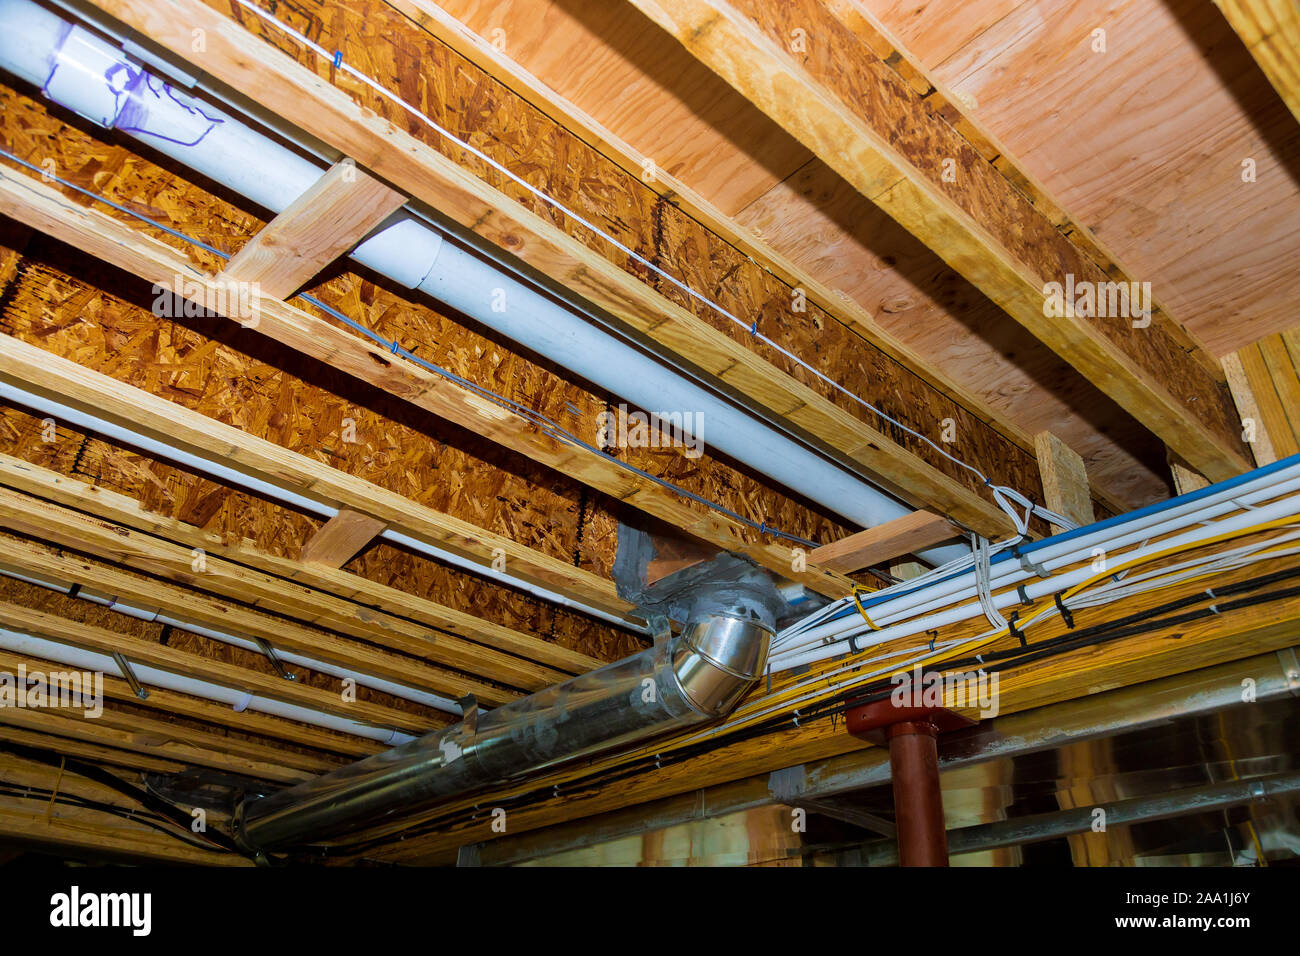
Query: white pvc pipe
point(69, 656)
point(157, 616)
point(90, 76)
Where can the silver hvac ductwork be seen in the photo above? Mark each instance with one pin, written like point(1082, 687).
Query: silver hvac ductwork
point(694, 678)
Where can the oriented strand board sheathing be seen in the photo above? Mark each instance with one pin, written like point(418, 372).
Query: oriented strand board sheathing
point(377, 41)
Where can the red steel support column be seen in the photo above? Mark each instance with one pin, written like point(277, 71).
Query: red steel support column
point(918, 801)
point(911, 734)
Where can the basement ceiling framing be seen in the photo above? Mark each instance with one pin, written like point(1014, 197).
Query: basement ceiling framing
point(320, 496)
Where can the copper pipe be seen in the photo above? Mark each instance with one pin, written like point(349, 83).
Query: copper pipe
point(918, 802)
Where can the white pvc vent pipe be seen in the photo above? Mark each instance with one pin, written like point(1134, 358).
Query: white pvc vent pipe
point(91, 77)
point(238, 700)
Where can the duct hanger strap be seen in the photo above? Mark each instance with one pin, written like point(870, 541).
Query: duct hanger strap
point(269, 653)
point(128, 673)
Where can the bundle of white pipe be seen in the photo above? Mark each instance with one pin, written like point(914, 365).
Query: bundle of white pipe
point(88, 75)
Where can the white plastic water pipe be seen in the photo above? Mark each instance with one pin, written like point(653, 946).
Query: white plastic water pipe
point(238, 700)
point(88, 75)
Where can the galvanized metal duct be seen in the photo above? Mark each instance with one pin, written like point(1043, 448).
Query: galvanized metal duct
point(697, 677)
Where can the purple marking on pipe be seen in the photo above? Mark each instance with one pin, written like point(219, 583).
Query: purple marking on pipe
point(65, 29)
point(134, 115)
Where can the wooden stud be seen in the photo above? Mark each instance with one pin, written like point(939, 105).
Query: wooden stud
point(875, 546)
point(341, 538)
point(321, 225)
point(1065, 481)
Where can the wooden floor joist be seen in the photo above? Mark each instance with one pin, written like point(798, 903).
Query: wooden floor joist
point(341, 585)
point(448, 30)
point(335, 747)
point(140, 651)
point(31, 516)
point(285, 87)
point(318, 227)
point(860, 117)
point(158, 738)
point(1270, 29)
point(31, 202)
point(60, 821)
point(183, 603)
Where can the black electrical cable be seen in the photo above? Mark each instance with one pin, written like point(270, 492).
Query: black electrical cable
point(142, 817)
point(162, 808)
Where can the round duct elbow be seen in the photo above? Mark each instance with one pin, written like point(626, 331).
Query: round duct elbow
point(718, 658)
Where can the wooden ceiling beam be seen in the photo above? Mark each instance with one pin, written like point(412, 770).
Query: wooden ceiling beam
point(335, 747)
point(277, 82)
point(861, 118)
point(1270, 29)
point(321, 225)
point(45, 562)
point(94, 535)
point(366, 594)
point(150, 653)
point(449, 31)
point(39, 820)
point(37, 205)
point(151, 737)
